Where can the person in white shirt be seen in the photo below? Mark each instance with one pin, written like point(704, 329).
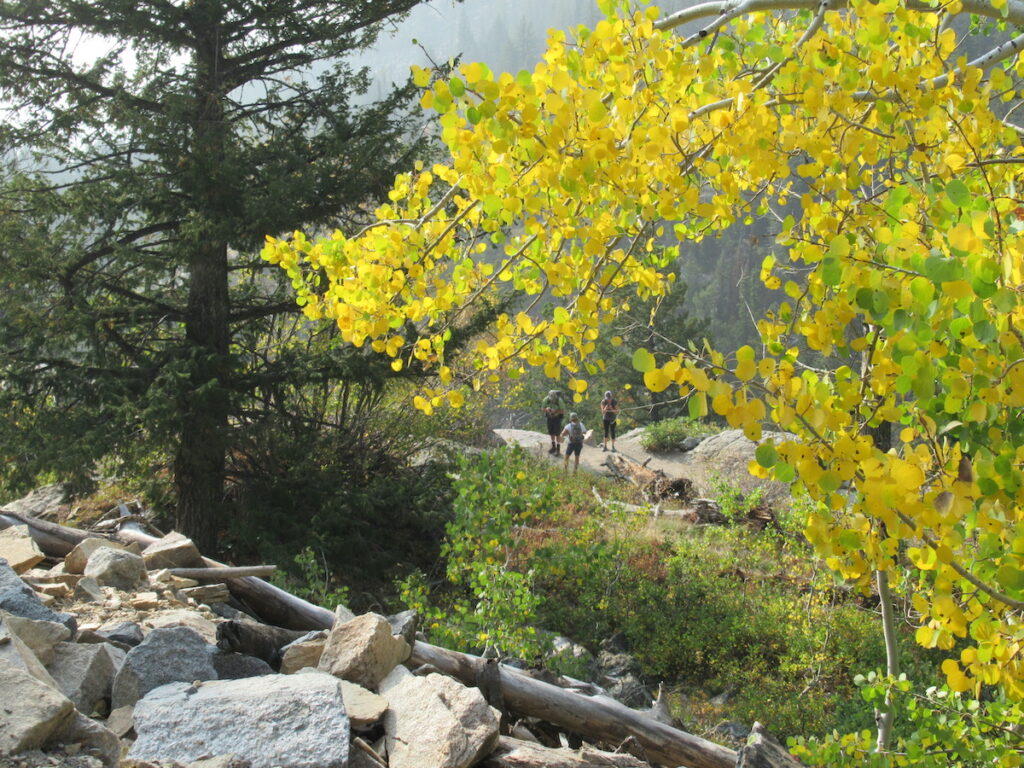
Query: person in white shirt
point(574, 432)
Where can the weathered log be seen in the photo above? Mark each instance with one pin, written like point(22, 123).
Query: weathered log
point(516, 753)
point(55, 540)
point(654, 483)
point(260, 640)
point(598, 718)
point(223, 572)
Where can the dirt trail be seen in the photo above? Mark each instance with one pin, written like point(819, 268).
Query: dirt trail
point(725, 455)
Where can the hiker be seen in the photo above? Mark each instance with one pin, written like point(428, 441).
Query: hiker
point(609, 415)
point(575, 432)
point(553, 412)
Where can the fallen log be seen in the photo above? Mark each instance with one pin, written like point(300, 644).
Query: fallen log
point(516, 753)
point(597, 718)
point(223, 572)
point(653, 483)
point(55, 540)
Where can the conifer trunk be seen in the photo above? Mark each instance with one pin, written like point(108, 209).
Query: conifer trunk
point(199, 465)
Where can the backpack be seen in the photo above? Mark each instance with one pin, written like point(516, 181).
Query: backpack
point(575, 432)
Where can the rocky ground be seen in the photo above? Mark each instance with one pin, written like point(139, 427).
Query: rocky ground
point(119, 655)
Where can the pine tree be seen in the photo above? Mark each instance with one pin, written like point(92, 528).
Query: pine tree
point(137, 182)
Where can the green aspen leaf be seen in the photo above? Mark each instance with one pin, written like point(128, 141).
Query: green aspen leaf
point(829, 481)
point(643, 361)
point(784, 472)
point(457, 87)
point(850, 539)
point(697, 405)
point(831, 271)
point(766, 455)
point(958, 193)
point(1010, 577)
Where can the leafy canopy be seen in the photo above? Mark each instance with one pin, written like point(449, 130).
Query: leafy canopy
point(880, 150)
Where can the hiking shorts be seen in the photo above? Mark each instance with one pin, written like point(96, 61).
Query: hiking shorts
point(554, 425)
point(572, 448)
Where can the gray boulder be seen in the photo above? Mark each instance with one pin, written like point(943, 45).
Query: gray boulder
point(234, 666)
point(40, 636)
point(291, 721)
point(90, 737)
point(85, 673)
point(168, 655)
point(436, 721)
point(43, 502)
point(18, 654)
point(16, 597)
point(127, 632)
point(116, 568)
point(30, 710)
point(76, 559)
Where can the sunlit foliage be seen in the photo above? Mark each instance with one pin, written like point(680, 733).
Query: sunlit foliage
point(892, 167)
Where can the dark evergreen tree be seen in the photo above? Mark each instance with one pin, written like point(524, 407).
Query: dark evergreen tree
point(139, 184)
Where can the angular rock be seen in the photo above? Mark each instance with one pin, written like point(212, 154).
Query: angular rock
point(40, 636)
point(291, 721)
point(762, 751)
point(18, 598)
point(88, 589)
point(53, 590)
point(92, 637)
point(184, 617)
point(127, 632)
point(435, 721)
point(30, 710)
point(364, 708)
point(145, 601)
point(55, 575)
point(363, 650)
point(120, 722)
point(43, 502)
point(174, 550)
point(19, 655)
point(404, 625)
point(76, 559)
point(234, 666)
point(303, 653)
point(91, 737)
point(224, 761)
point(85, 673)
point(18, 548)
point(116, 568)
point(170, 655)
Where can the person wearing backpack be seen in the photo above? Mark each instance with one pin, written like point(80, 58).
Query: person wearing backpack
point(609, 417)
point(553, 413)
point(575, 432)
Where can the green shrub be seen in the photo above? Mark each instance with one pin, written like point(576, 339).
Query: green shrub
point(669, 434)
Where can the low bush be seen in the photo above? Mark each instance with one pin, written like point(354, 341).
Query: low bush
point(707, 610)
point(668, 434)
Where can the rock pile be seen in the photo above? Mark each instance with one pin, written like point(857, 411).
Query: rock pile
point(108, 658)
